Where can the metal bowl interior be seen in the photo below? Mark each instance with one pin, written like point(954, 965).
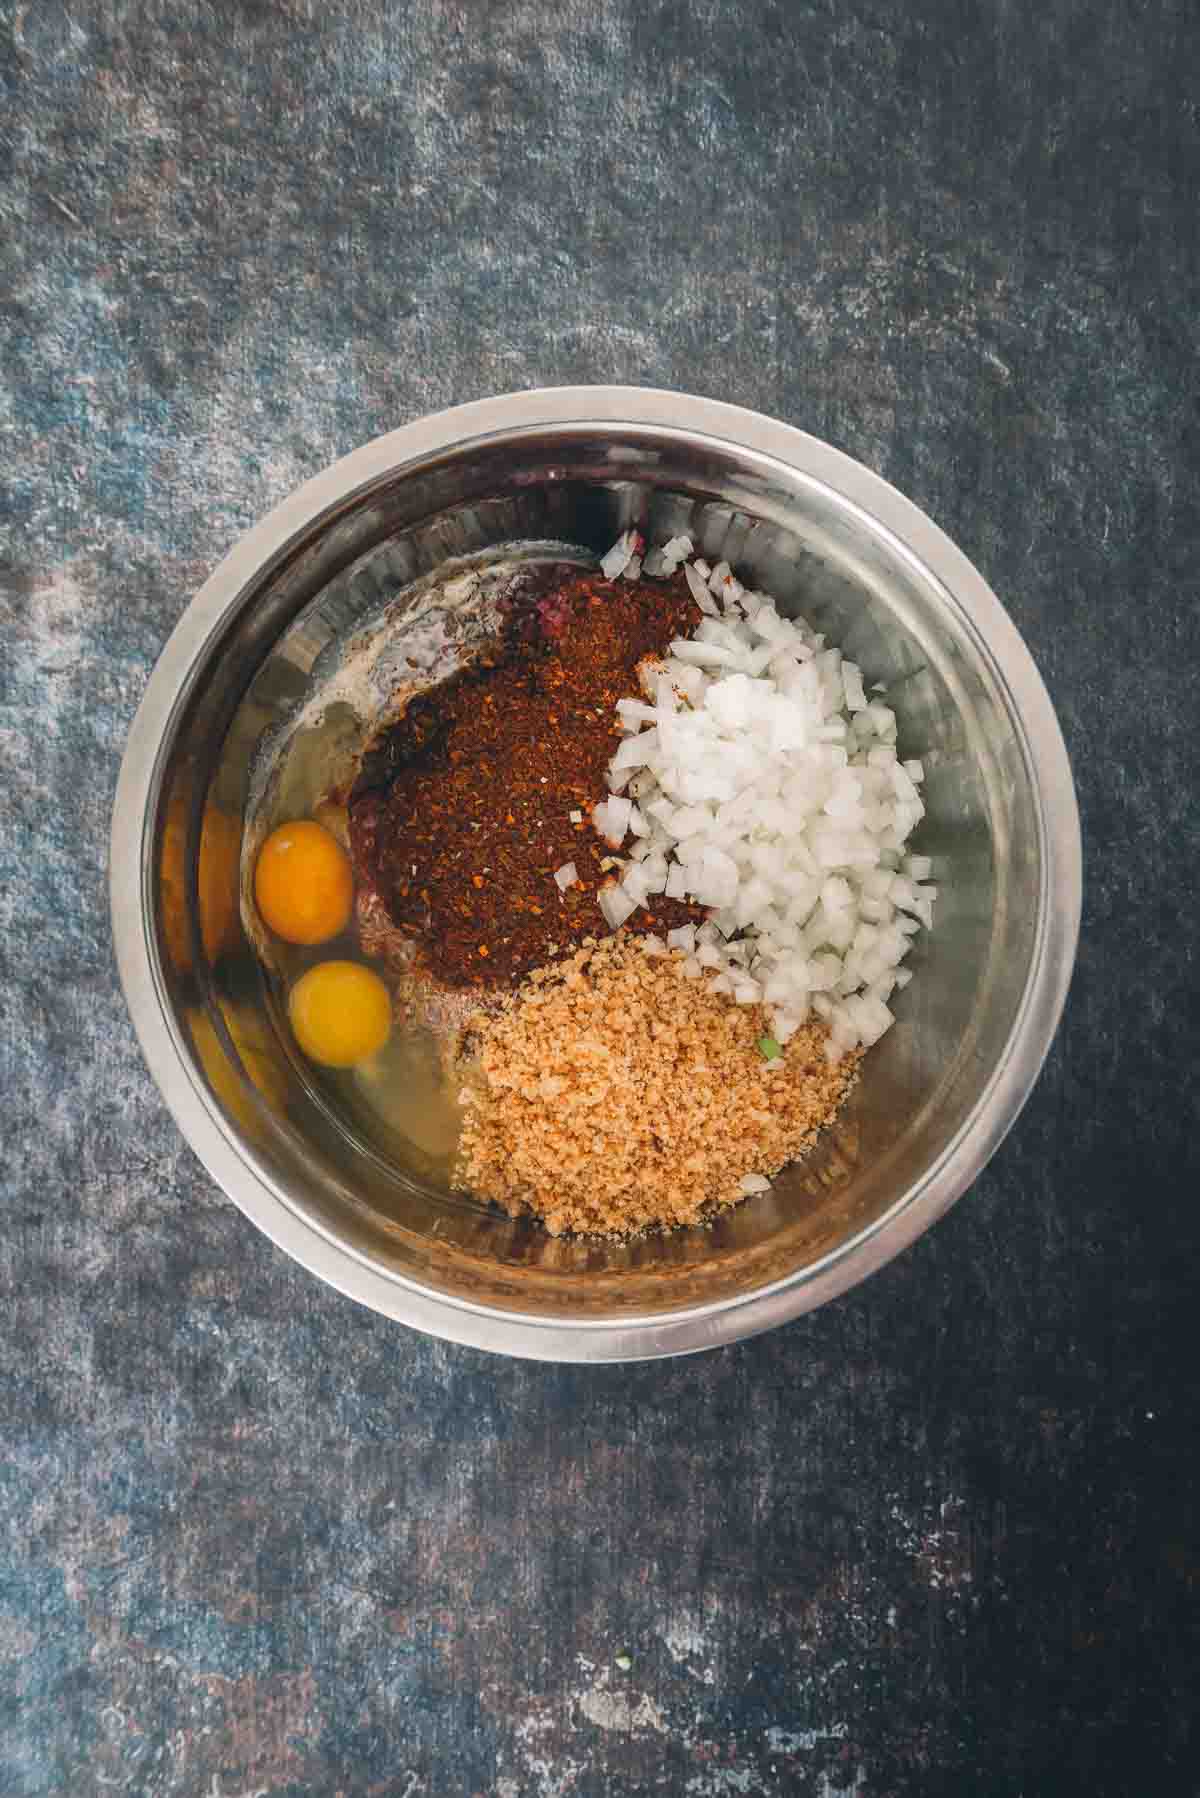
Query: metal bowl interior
point(824, 536)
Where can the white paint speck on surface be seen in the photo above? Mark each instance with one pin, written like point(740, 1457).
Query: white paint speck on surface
point(620, 1710)
point(803, 1741)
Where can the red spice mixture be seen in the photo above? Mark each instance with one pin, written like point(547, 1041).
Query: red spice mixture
point(463, 816)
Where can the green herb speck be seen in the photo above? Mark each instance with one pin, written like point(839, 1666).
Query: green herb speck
point(769, 1049)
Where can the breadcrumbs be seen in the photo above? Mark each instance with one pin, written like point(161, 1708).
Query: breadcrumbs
point(615, 1093)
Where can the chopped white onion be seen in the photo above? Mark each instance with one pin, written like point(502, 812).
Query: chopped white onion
point(675, 549)
point(770, 790)
point(700, 592)
point(619, 556)
point(611, 818)
point(616, 906)
point(565, 876)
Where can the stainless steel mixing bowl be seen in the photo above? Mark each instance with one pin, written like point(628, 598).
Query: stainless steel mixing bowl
point(822, 534)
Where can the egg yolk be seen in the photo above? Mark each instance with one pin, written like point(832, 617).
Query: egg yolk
point(303, 883)
point(340, 1013)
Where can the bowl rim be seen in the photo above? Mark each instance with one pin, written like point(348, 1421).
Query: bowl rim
point(399, 1296)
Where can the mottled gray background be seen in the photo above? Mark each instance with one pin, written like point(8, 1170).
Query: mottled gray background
point(940, 1539)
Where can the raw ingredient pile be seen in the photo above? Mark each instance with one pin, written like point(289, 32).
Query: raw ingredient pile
point(625, 1093)
point(653, 750)
point(489, 781)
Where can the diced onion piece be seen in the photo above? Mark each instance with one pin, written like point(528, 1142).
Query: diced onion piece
point(676, 887)
point(616, 906)
point(611, 818)
point(700, 593)
point(852, 688)
point(619, 556)
point(675, 549)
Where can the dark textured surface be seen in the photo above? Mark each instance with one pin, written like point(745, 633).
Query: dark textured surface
point(939, 1539)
